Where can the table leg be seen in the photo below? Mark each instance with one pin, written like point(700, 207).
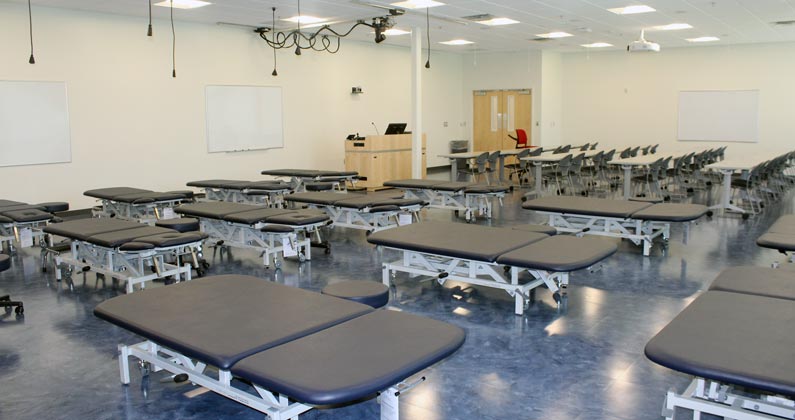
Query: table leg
point(627, 181)
point(726, 190)
point(502, 168)
point(453, 169)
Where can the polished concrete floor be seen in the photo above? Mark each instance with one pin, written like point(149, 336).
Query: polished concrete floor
point(580, 360)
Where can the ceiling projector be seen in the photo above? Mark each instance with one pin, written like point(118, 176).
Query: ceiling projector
point(642, 45)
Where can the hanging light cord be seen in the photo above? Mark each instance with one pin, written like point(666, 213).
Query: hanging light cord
point(428, 34)
point(149, 31)
point(30, 22)
point(275, 73)
point(173, 44)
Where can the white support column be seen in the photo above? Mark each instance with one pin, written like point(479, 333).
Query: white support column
point(416, 103)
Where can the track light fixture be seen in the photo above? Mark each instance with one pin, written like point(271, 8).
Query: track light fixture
point(324, 39)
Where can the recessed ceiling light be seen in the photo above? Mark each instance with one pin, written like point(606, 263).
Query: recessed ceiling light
point(417, 4)
point(704, 39)
point(305, 19)
point(183, 4)
point(597, 45)
point(457, 42)
point(672, 27)
point(498, 21)
point(555, 35)
point(631, 10)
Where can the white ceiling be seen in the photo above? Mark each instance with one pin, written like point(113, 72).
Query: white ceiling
point(734, 21)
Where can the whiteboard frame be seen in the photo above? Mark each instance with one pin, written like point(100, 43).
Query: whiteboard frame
point(68, 126)
point(207, 119)
point(679, 114)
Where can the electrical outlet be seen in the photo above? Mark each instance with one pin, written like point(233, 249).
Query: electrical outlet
point(445, 123)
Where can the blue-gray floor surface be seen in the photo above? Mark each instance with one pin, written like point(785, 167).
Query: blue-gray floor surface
point(580, 360)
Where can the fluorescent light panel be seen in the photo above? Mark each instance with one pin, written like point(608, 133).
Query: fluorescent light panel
point(417, 4)
point(597, 45)
point(183, 4)
point(555, 35)
point(672, 27)
point(704, 39)
point(498, 21)
point(457, 42)
point(632, 10)
point(305, 19)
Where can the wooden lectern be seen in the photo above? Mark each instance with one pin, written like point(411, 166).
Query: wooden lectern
point(381, 158)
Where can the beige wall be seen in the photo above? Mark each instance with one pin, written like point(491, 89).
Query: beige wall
point(519, 70)
point(133, 125)
point(624, 99)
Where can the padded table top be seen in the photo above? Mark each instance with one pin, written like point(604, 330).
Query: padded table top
point(133, 195)
point(412, 183)
point(671, 212)
point(354, 359)
point(762, 281)
point(560, 253)
point(9, 203)
point(83, 229)
point(223, 319)
point(326, 198)
point(214, 209)
point(219, 183)
point(779, 241)
point(348, 200)
point(459, 240)
point(737, 338)
point(26, 215)
point(308, 173)
point(586, 206)
point(784, 225)
point(254, 216)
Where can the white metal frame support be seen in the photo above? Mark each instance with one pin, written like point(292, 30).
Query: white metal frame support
point(712, 397)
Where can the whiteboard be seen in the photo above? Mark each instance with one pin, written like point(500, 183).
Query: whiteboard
point(34, 123)
point(243, 118)
point(719, 115)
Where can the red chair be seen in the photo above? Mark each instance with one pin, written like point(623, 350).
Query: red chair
point(520, 139)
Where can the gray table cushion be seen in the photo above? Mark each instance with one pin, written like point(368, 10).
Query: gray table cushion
point(5, 262)
point(413, 183)
point(459, 240)
point(454, 186)
point(28, 215)
point(309, 173)
point(731, 337)
point(325, 198)
point(180, 224)
point(671, 212)
point(256, 215)
point(486, 189)
point(54, 206)
point(354, 359)
point(779, 241)
point(222, 319)
point(560, 253)
point(149, 197)
point(172, 238)
point(82, 229)
point(300, 218)
point(586, 206)
point(219, 183)
point(784, 225)
point(4, 219)
point(268, 186)
point(8, 203)
point(119, 237)
point(762, 281)
point(370, 293)
point(214, 209)
point(114, 192)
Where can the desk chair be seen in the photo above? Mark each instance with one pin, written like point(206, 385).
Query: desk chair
point(5, 300)
point(585, 147)
point(520, 139)
point(478, 167)
point(493, 167)
point(593, 146)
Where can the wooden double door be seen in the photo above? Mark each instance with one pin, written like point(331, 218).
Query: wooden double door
point(498, 113)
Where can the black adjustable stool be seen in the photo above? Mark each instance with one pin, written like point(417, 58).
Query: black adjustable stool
point(367, 292)
point(5, 301)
